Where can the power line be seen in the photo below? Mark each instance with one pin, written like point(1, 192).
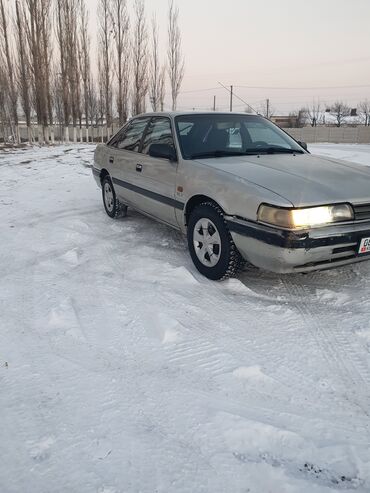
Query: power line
point(277, 88)
point(232, 93)
point(201, 90)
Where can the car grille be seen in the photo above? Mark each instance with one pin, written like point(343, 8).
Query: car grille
point(362, 212)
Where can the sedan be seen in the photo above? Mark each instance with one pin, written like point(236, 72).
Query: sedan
point(241, 189)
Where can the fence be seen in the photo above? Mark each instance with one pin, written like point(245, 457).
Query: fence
point(342, 135)
point(335, 135)
point(58, 134)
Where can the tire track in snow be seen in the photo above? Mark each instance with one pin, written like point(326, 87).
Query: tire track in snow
point(240, 346)
point(290, 378)
point(203, 352)
point(205, 356)
point(339, 352)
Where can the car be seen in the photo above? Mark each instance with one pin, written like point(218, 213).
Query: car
point(241, 189)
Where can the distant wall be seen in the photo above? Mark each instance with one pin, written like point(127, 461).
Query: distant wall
point(335, 135)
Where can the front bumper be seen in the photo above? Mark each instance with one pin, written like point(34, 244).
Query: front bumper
point(284, 251)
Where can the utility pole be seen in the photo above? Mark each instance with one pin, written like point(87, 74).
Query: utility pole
point(232, 94)
point(214, 103)
point(267, 108)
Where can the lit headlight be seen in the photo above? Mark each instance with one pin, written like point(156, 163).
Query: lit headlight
point(305, 218)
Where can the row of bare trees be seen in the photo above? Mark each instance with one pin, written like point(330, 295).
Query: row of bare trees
point(47, 76)
point(316, 114)
point(320, 114)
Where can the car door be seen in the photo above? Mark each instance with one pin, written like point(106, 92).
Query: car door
point(155, 177)
point(123, 152)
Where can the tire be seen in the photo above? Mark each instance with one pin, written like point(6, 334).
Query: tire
point(217, 258)
point(112, 205)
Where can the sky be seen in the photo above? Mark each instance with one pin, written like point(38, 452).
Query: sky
point(290, 51)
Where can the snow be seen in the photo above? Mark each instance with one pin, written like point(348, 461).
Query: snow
point(124, 370)
point(357, 153)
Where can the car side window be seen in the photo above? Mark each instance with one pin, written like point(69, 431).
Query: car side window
point(159, 132)
point(131, 138)
point(118, 137)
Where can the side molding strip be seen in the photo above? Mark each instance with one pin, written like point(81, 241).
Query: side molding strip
point(151, 195)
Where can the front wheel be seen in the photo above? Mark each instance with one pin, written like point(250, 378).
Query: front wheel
point(211, 246)
point(112, 205)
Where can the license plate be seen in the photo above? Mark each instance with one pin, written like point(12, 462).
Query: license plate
point(364, 246)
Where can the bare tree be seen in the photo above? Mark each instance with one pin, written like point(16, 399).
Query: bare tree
point(155, 69)
point(46, 58)
point(101, 97)
point(4, 101)
point(162, 87)
point(365, 112)
point(32, 10)
point(85, 66)
point(93, 104)
point(23, 72)
point(340, 111)
point(139, 59)
point(8, 58)
point(120, 24)
point(38, 30)
point(61, 7)
point(73, 72)
point(69, 51)
point(57, 98)
point(105, 54)
point(176, 63)
point(313, 113)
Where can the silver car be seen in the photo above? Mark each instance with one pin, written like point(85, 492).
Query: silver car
point(241, 189)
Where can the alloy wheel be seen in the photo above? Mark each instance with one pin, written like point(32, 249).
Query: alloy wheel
point(207, 242)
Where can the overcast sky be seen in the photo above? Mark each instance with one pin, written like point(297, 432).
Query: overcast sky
point(292, 51)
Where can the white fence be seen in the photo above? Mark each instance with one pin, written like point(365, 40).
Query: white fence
point(59, 134)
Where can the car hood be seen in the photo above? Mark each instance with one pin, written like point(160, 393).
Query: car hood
point(302, 179)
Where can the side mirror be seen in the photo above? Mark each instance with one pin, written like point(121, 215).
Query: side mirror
point(303, 144)
point(164, 151)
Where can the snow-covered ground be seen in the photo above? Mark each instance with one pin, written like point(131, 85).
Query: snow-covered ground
point(358, 153)
point(123, 370)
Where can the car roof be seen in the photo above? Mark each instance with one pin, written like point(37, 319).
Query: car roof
point(190, 113)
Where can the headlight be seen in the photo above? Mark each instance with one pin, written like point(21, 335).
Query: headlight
point(305, 218)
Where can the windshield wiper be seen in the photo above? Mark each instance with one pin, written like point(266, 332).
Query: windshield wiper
point(248, 152)
point(273, 150)
point(220, 153)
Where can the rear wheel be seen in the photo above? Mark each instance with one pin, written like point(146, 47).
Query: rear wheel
point(112, 205)
point(211, 246)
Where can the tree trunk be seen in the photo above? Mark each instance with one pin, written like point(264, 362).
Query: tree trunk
point(40, 136)
point(47, 134)
point(18, 139)
point(29, 134)
point(52, 135)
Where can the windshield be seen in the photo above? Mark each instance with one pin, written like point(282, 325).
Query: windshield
point(219, 135)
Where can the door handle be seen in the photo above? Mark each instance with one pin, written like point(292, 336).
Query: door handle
point(111, 160)
point(139, 168)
